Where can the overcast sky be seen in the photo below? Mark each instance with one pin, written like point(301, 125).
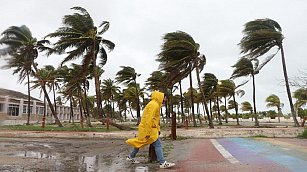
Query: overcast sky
point(137, 26)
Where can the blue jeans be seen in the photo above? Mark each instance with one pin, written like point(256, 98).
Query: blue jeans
point(158, 149)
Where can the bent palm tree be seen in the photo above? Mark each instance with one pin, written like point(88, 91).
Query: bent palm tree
point(260, 36)
point(108, 91)
point(244, 67)
point(43, 76)
point(274, 101)
point(179, 55)
point(83, 39)
point(128, 76)
point(22, 50)
point(246, 106)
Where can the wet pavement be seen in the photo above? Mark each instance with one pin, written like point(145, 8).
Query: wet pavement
point(83, 155)
point(24, 151)
point(190, 155)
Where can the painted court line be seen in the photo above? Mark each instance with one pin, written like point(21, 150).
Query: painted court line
point(224, 152)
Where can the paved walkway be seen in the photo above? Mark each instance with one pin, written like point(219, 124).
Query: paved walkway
point(241, 155)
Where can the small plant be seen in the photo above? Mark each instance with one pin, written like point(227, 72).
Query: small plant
point(260, 135)
point(303, 135)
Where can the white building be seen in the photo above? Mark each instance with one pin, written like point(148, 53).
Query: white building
point(14, 107)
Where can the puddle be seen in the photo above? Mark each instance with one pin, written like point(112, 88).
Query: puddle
point(32, 154)
point(67, 155)
point(64, 162)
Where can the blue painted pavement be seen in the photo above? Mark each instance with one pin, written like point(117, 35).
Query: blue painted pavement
point(265, 154)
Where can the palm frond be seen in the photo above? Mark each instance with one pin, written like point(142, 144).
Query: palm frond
point(105, 26)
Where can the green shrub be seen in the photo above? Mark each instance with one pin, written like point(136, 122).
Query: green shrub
point(303, 135)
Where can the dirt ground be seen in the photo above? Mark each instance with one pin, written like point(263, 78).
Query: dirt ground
point(84, 155)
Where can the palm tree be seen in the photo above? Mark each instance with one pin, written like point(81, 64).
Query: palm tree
point(155, 81)
point(301, 99)
point(179, 56)
point(83, 39)
point(22, 50)
point(244, 67)
point(239, 93)
point(260, 36)
point(209, 84)
point(227, 88)
point(191, 92)
point(127, 75)
point(108, 91)
point(77, 84)
point(217, 96)
point(234, 105)
point(43, 76)
point(274, 101)
point(122, 104)
point(53, 82)
point(246, 106)
point(132, 94)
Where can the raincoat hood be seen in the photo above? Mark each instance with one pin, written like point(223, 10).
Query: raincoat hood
point(157, 96)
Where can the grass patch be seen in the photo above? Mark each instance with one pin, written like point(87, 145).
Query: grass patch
point(303, 135)
point(66, 127)
point(260, 136)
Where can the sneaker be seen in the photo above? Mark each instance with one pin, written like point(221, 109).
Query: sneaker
point(132, 160)
point(167, 165)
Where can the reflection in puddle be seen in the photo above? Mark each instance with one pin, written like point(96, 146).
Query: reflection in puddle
point(89, 162)
point(64, 162)
point(38, 155)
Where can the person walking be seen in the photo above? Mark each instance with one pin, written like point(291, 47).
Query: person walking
point(148, 131)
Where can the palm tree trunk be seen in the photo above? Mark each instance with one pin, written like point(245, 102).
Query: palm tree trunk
point(210, 104)
point(29, 97)
point(192, 100)
point(173, 120)
point(97, 89)
point(279, 114)
point(81, 113)
point(204, 98)
point(57, 121)
point(218, 110)
point(88, 119)
point(44, 116)
point(181, 102)
point(236, 108)
point(288, 87)
point(71, 111)
point(54, 100)
point(138, 109)
point(226, 112)
point(254, 101)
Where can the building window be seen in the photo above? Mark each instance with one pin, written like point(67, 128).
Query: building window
point(13, 110)
point(25, 109)
point(1, 107)
point(40, 110)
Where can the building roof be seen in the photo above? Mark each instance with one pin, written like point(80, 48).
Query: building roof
point(15, 94)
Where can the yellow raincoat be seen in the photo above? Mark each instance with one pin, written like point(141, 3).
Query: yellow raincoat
point(150, 122)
